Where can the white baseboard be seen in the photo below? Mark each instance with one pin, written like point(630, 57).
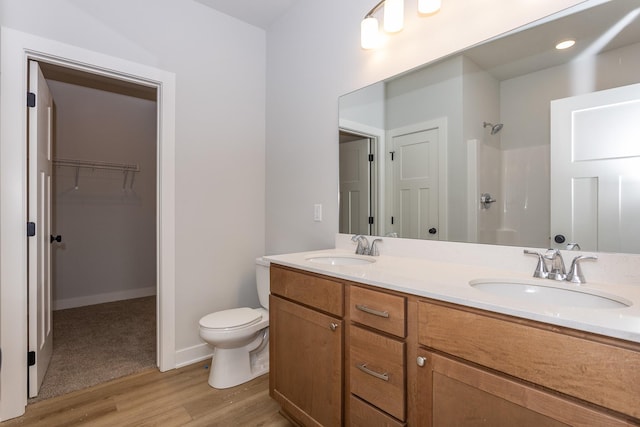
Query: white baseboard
point(190, 355)
point(102, 298)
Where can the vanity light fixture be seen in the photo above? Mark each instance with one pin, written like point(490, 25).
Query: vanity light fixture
point(370, 36)
point(565, 44)
point(393, 15)
point(429, 6)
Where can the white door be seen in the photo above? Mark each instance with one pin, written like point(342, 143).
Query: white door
point(355, 187)
point(415, 184)
point(39, 211)
point(595, 170)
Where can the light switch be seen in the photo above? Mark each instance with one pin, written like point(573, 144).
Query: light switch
point(317, 212)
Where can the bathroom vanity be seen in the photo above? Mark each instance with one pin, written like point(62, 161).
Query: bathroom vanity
point(408, 341)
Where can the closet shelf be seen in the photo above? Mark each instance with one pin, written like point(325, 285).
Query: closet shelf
point(87, 164)
point(97, 165)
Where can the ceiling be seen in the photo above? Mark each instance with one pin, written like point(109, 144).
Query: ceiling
point(261, 13)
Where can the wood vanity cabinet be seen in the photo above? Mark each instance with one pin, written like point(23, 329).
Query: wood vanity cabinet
point(482, 368)
point(342, 353)
point(306, 346)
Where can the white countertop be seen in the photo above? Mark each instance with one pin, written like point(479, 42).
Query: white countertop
point(446, 281)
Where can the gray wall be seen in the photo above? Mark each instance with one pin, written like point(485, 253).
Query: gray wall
point(109, 233)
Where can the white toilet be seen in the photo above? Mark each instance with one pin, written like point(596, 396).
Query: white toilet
point(240, 337)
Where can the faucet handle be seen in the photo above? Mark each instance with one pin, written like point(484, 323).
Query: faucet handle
point(541, 269)
point(363, 244)
point(575, 272)
point(374, 247)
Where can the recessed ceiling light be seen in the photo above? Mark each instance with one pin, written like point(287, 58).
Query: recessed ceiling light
point(566, 44)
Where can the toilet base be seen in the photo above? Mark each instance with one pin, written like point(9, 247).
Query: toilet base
point(234, 366)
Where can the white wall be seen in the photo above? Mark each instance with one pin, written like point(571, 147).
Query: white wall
point(313, 57)
point(365, 106)
point(108, 251)
point(219, 63)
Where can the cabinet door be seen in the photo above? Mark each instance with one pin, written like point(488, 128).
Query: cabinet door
point(452, 393)
point(306, 363)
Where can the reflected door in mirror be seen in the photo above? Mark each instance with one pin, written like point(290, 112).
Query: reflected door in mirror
point(415, 184)
point(355, 182)
point(595, 165)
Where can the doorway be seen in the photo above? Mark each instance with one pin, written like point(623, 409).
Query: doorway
point(17, 48)
point(103, 231)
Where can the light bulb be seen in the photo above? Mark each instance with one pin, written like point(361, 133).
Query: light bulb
point(429, 6)
point(565, 44)
point(393, 15)
point(369, 33)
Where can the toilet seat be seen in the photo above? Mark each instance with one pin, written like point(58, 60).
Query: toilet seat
point(231, 319)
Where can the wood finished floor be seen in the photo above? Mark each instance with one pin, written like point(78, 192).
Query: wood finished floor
point(180, 397)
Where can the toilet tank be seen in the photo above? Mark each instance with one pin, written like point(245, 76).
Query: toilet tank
point(262, 281)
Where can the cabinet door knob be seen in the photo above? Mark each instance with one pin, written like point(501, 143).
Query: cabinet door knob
point(421, 361)
point(333, 326)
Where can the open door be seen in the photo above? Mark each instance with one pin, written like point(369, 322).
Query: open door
point(39, 211)
point(355, 187)
point(595, 169)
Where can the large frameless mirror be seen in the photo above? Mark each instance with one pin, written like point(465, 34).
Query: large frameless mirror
point(510, 142)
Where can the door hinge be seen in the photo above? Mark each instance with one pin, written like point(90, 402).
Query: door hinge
point(31, 358)
point(31, 229)
point(371, 157)
point(370, 220)
point(31, 99)
point(391, 220)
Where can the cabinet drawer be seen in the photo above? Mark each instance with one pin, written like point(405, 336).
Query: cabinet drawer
point(378, 310)
point(588, 367)
point(315, 291)
point(377, 370)
point(364, 415)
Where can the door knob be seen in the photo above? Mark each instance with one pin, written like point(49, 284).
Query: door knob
point(421, 361)
point(333, 326)
point(57, 238)
point(433, 230)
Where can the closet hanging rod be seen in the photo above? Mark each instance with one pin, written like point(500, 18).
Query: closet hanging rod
point(97, 165)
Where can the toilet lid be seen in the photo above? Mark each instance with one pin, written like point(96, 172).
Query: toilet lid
point(234, 318)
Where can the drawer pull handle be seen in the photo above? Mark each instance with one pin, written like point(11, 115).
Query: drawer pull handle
point(363, 368)
point(372, 311)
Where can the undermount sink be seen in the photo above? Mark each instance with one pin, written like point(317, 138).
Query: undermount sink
point(340, 260)
point(549, 294)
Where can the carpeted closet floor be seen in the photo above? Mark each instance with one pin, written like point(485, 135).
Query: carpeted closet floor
point(98, 343)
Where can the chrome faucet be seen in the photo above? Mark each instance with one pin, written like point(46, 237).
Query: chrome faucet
point(363, 245)
point(557, 271)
